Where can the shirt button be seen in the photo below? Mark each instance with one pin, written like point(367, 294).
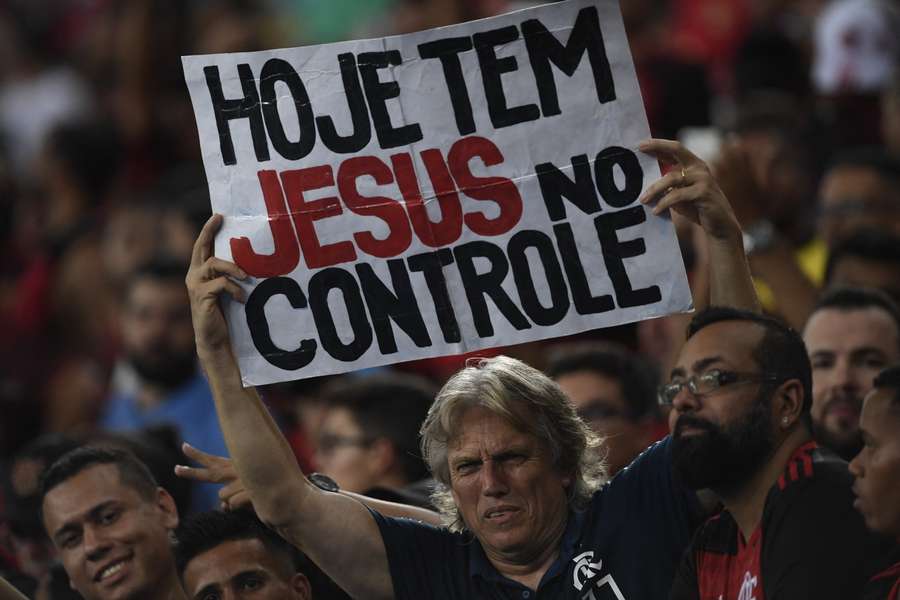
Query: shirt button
point(526, 594)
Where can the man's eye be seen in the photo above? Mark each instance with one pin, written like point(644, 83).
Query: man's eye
point(874, 362)
point(822, 363)
point(514, 459)
point(466, 468)
point(69, 541)
point(109, 517)
point(210, 596)
point(251, 583)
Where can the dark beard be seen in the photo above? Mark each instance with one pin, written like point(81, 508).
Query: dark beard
point(845, 446)
point(722, 458)
point(168, 373)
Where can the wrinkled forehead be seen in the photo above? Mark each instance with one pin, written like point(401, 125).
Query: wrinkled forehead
point(478, 429)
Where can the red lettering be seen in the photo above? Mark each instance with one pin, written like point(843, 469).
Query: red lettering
point(286, 255)
point(448, 229)
point(305, 213)
point(500, 190)
point(387, 209)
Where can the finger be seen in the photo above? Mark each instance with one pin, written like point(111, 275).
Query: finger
point(223, 285)
point(203, 246)
point(677, 196)
point(204, 458)
point(217, 266)
point(196, 474)
point(239, 500)
point(662, 185)
point(668, 151)
point(230, 489)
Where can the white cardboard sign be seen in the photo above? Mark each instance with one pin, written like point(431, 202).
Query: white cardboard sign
point(433, 193)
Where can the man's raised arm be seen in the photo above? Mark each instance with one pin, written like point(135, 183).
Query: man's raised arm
point(691, 190)
point(338, 533)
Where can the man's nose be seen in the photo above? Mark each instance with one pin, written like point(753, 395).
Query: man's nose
point(845, 376)
point(95, 544)
point(685, 401)
point(493, 479)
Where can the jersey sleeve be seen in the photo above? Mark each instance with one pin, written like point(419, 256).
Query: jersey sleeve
point(425, 561)
point(818, 545)
point(664, 510)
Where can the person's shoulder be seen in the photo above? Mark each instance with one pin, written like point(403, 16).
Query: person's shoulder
point(813, 466)
point(885, 583)
point(655, 458)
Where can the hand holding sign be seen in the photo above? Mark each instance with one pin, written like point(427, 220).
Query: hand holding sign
point(690, 189)
point(207, 279)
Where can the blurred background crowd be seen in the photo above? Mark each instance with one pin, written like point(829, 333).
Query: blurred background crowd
point(795, 103)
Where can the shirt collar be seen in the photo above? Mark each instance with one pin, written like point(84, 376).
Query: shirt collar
point(481, 566)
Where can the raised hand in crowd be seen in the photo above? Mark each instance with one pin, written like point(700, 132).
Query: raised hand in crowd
point(691, 190)
point(220, 469)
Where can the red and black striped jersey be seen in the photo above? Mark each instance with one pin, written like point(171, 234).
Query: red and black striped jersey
point(810, 542)
point(885, 584)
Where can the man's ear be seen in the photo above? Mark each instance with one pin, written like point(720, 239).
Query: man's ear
point(300, 586)
point(166, 504)
point(787, 403)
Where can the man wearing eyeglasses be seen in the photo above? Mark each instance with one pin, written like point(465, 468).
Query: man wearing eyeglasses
point(614, 392)
point(860, 190)
point(741, 395)
point(369, 439)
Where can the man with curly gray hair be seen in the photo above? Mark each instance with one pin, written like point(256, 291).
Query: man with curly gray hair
point(520, 472)
point(522, 487)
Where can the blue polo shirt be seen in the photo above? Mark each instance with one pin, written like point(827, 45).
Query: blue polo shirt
point(626, 545)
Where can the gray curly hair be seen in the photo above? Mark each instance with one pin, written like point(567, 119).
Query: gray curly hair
point(529, 401)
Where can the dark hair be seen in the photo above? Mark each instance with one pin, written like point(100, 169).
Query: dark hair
point(637, 377)
point(868, 244)
point(889, 379)
point(204, 531)
point(391, 405)
point(132, 472)
point(875, 158)
point(781, 352)
point(159, 448)
point(162, 268)
point(91, 151)
point(871, 244)
point(849, 298)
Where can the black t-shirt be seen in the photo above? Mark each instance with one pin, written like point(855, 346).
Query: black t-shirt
point(810, 543)
point(625, 546)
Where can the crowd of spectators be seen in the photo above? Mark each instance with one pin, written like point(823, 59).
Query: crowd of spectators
point(795, 104)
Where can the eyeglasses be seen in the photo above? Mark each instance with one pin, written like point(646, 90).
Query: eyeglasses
point(599, 412)
point(707, 383)
point(329, 442)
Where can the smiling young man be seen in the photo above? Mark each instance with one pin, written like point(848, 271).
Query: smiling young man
point(876, 470)
point(740, 394)
point(110, 523)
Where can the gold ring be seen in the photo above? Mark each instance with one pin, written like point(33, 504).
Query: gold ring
point(683, 176)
